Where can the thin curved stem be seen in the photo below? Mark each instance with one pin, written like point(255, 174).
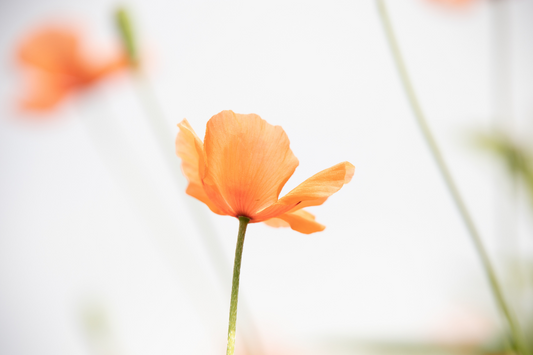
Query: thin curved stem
point(243, 223)
point(450, 183)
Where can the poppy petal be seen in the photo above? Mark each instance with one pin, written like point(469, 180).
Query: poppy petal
point(248, 161)
point(92, 73)
point(276, 223)
point(44, 92)
point(55, 50)
point(312, 192)
point(190, 149)
point(300, 221)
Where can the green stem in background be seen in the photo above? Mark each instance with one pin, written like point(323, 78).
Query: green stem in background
point(516, 334)
point(506, 188)
point(243, 223)
point(125, 28)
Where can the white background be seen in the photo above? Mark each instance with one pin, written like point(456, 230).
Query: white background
point(92, 220)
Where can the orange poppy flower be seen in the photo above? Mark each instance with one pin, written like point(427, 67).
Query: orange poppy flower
point(57, 67)
point(242, 166)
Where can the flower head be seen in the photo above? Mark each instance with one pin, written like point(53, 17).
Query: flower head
point(241, 167)
point(57, 65)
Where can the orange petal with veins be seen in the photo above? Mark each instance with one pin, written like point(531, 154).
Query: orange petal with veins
point(191, 151)
point(312, 192)
point(248, 161)
point(300, 221)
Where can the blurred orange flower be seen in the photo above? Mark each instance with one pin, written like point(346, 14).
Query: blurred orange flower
point(453, 2)
point(57, 66)
point(242, 166)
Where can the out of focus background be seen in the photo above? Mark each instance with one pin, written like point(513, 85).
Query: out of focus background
point(101, 251)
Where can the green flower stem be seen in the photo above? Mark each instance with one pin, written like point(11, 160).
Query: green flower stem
point(243, 223)
point(516, 334)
